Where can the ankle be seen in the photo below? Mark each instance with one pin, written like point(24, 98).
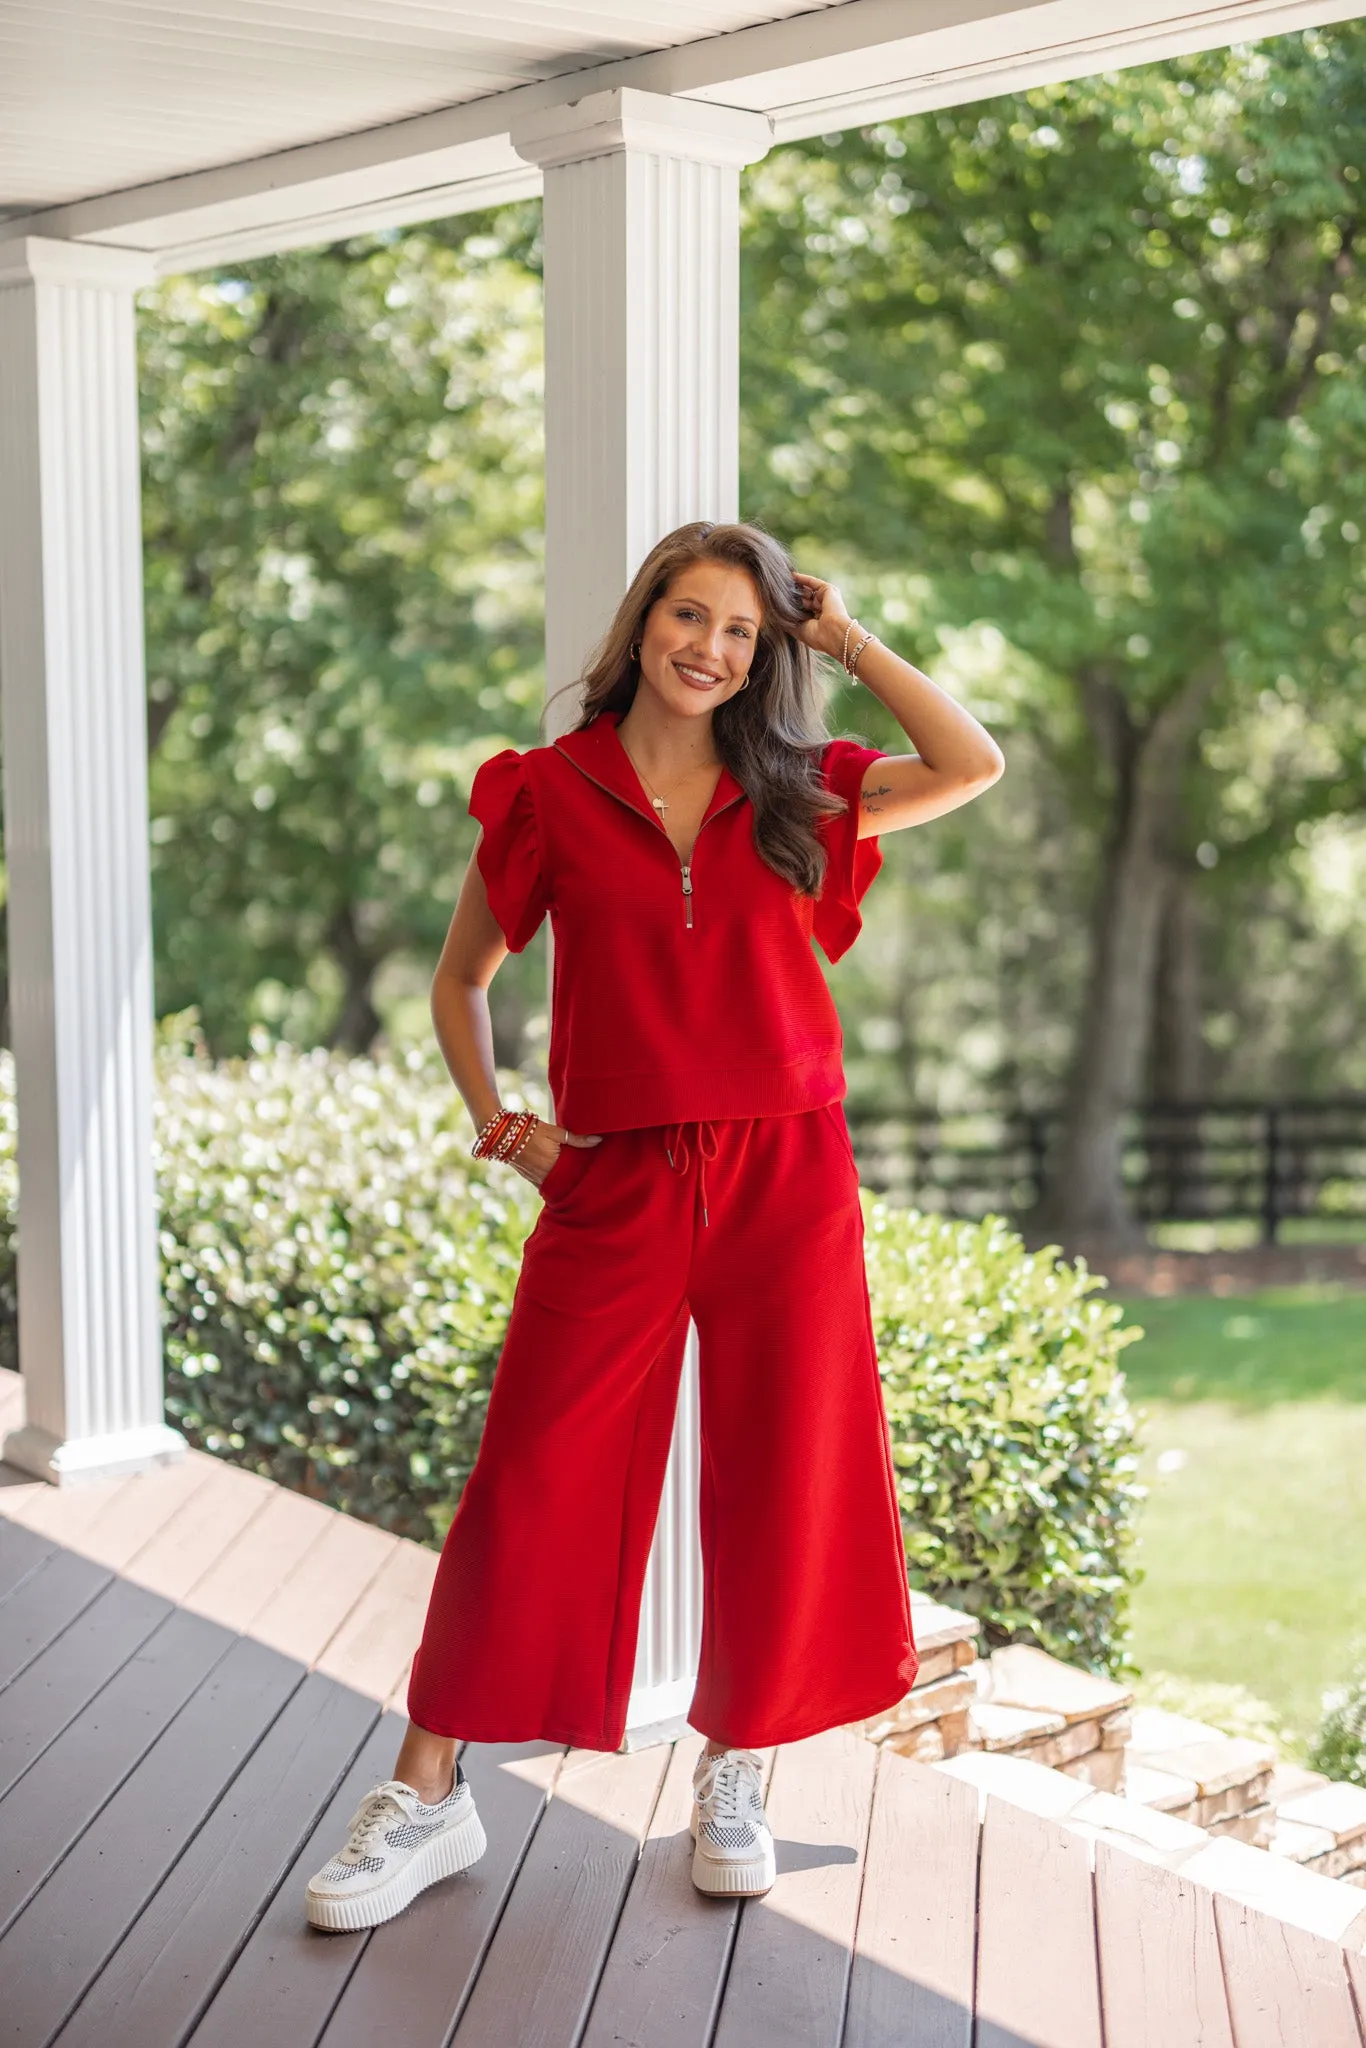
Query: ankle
point(431, 1786)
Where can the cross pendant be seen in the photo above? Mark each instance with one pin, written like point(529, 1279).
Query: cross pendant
point(659, 805)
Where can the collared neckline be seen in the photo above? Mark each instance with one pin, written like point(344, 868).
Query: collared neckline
point(600, 752)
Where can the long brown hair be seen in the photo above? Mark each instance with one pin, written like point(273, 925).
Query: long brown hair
point(769, 735)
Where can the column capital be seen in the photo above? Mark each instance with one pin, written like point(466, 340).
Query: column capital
point(653, 123)
point(37, 259)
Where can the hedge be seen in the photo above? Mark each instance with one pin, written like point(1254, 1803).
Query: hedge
point(1013, 1438)
point(338, 1273)
point(1339, 1747)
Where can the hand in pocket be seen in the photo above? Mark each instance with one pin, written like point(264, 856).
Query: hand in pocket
point(544, 1149)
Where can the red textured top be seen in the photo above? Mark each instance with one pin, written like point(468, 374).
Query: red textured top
point(679, 992)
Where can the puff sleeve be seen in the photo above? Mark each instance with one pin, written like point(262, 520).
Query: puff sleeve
point(509, 852)
point(851, 862)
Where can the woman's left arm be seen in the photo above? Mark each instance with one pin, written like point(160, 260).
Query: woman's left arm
point(955, 758)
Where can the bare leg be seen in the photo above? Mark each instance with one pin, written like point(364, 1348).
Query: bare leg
point(427, 1763)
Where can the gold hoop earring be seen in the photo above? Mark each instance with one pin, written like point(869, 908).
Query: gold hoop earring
point(635, 650)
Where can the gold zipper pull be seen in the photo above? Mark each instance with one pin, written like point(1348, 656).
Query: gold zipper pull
point(687, 892)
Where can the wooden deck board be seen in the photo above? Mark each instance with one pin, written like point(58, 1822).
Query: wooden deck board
point(39, 1609)
point(109, 1520)
point(1356, 1977)
point(543, 1965)
point(425, 1962)
point(202, 1531)
point(285, 1982)
point(374, 1644)
point(668, 1963)
point(1036, 1941)
point(62, 1940)
point(1162, 1979)
point(62, 1514)
point(55, 1800)
point(21, 1552)
point(789, 1975)
point(1287, 1988)
point(46, 1698)
point(259, 1562)
point(917, 1926)
point(311, 1603)
point(199, 1665)
point(168, 1965)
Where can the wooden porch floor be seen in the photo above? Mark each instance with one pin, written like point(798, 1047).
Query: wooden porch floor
point(201, 1674)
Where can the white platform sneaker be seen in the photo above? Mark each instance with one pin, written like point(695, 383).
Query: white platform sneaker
point(733, 1857)
point(395, 1847)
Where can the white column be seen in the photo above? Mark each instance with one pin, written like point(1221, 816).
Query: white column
point(642, 254)
point(642, 247)
point(75, 779)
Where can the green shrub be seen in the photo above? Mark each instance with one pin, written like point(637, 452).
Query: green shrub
point(1339, 1748)
point(338, 1274)
point(1012, 1435)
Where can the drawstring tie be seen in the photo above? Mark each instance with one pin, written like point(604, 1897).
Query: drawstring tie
point(679, 1156)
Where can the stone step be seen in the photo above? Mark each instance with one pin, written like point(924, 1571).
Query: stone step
point(1339, 1809)
point(1155, 1728)
point(941, 1663)
point(945, 1638)
point(1102, 1769)
point(1187, 1767)
point(1155, 1836)
point(1255, 1825)
point(1161, 1790)
point(1322, 1827)
point(930, 1722)
point(1021, 1676)
point(1289, 1780)
point(996, 1726)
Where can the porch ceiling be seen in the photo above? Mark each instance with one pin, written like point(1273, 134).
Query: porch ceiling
point(197, 130)
point(99, 94)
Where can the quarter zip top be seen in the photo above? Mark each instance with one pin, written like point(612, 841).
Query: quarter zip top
point(634, 799)
point(658, 1019)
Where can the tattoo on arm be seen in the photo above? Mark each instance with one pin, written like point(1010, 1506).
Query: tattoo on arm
point(869, 797)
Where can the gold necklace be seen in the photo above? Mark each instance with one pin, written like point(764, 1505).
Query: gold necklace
point(659, 803)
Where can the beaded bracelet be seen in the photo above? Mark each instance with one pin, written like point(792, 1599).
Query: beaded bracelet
point(866, 641)
point(517, 1145)
point(850, 661)
point(490, 1131)
point(504, 1134)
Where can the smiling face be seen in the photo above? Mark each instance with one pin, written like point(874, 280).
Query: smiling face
point(699, 638)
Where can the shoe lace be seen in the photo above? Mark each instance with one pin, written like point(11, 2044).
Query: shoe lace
point(375, 1811)
point(730, 1784)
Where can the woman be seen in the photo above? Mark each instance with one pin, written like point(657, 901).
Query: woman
point(687, 839)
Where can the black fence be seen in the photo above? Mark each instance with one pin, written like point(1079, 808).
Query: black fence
point(1187, 1162)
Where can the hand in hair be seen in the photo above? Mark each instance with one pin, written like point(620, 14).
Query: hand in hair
point(829, 616)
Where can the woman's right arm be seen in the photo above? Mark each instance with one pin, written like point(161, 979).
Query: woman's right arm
point(474, 951)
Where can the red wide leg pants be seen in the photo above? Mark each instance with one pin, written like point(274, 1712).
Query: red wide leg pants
point(754, 1227)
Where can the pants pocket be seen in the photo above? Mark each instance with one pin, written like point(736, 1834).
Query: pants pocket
point(566, 1171)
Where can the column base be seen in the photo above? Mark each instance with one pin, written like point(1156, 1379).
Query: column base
point(75, 1460)
point(658, 1713)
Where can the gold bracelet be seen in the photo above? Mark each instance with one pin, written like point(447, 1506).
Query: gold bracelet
point(853, 661)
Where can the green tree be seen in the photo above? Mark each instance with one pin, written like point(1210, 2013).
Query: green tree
point(343, 525)
point(1089, 358)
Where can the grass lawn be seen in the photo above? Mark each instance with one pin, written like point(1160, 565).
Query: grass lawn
point(1253, 1537)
